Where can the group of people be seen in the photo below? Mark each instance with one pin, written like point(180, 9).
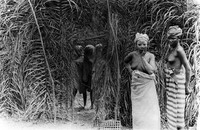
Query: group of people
point(85, 58)
point(141, 65)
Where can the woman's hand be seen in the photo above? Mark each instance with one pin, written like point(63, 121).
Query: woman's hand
point(187, 91)
point(128, 66)
point(142, 52)
point(148, 66)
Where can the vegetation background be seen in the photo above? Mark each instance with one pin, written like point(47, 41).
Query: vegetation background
point(37, 39)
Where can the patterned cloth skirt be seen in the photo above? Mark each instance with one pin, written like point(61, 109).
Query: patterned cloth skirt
point(175, 85)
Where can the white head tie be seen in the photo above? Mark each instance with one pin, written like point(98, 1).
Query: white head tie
point(174, 31)
point(141, 37)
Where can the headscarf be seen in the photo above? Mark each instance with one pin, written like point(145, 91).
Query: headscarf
point(174, 31)
point(141, 37)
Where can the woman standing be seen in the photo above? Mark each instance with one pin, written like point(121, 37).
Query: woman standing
point(177, 79)
point(145, 107)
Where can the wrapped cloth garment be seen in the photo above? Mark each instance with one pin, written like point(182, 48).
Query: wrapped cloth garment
point(145, 106)
point(175, 85)
point(141, 37)
point(174, 31)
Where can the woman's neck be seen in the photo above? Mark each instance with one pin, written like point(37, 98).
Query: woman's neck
point(173, 49)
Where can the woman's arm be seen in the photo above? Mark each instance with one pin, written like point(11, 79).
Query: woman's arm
point(128, 66)
point(153, 63)
point(128, 60)
point(184, 60)
point(151, 66)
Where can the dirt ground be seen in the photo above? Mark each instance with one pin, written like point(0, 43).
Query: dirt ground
point(79, 120)
point(83, 117)
point(82, 120)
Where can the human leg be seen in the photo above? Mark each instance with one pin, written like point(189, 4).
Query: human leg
point(91, 99)
point(85, 98)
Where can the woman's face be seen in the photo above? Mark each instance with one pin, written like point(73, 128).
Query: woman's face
point(173, 42)
point(142, 46)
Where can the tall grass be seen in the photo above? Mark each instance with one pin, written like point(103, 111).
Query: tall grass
point(45, 58)
point(29, 68)
point(37, 42)
point(24, 69)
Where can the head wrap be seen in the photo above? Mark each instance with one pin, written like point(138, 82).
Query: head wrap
point(141, 37)
point(174, 31)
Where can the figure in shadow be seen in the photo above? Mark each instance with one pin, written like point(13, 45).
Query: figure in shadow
point(84, 65)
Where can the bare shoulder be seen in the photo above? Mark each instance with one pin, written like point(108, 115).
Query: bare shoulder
point(133, 52)
point(151, 55)
point(180, 50)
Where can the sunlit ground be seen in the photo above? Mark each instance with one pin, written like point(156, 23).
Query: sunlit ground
point(10, 124)
point(82, 121)
point(196, 1)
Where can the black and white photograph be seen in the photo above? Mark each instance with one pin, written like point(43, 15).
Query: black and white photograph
point(99, 64)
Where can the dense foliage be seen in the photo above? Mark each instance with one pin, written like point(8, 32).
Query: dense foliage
point(37, 46)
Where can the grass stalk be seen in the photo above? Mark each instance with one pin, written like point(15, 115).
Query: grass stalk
point(46, 61)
